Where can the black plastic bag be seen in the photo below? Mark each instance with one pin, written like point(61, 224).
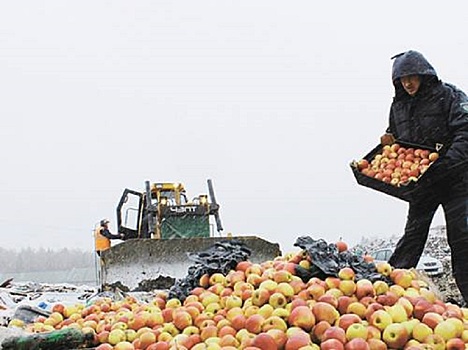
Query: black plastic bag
point(326, 261)
point(221, 257)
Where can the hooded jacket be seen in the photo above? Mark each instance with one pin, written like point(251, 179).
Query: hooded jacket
point(436, 114)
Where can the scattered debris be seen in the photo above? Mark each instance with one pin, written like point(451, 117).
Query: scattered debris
point(6, 283)
point(31, 297)
point(67, 338)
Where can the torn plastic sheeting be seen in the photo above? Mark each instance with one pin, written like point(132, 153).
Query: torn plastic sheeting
point(29, 314)
point(326, 261)
point(47, 300)
point(6, 300)
point(219, 258)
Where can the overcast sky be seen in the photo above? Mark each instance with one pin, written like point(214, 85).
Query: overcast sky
point(269, 99)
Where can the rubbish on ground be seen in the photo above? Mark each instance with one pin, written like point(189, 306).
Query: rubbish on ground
point(67, 338)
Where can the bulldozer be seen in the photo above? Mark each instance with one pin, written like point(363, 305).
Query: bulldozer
point(163, 211)
point(161, 227)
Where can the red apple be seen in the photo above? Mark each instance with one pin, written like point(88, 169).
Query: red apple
point(243, 265)
point(334, 332)
point(341, 245)
point(364, 288)
point(329, 299)
point(105, 346)
point(297, 340)
point(332, 282)
point(227, 341)
point(371, 308)
point(373, 332)
point(357, 344)
point(208, 332)
point(264, 341)
point(182, 319)
point(302, 316)
point(282, 276)
point(331, 344)
point(432, 319)
point(316, 290)
point(254, 323)
point(344, 321)
point(343, 303)
point(260, 296)
point(278, 336)
point(325, 312)
point(455, 344)
point(362, 164)
point(318, 331)
point(376, 344)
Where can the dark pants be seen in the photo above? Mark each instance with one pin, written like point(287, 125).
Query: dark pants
point(453, 196)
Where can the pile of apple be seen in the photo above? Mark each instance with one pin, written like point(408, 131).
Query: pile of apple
point(267, 307)
point(398, 165)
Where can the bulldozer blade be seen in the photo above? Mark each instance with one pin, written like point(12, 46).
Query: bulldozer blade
point(155, 264)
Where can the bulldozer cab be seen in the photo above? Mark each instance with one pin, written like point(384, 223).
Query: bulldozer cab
point(169, 193)
point(164, 212)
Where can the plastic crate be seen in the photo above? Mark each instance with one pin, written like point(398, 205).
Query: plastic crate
point(406, 192)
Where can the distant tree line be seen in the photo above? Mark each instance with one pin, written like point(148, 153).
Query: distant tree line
point(32, 260)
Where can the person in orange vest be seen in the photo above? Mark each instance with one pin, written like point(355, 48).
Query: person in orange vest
point(102, 236)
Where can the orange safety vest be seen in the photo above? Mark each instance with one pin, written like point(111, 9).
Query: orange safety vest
point(101, 242)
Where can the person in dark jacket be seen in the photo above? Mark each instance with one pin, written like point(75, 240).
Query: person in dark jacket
point(428, 112)
point(102, 236)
